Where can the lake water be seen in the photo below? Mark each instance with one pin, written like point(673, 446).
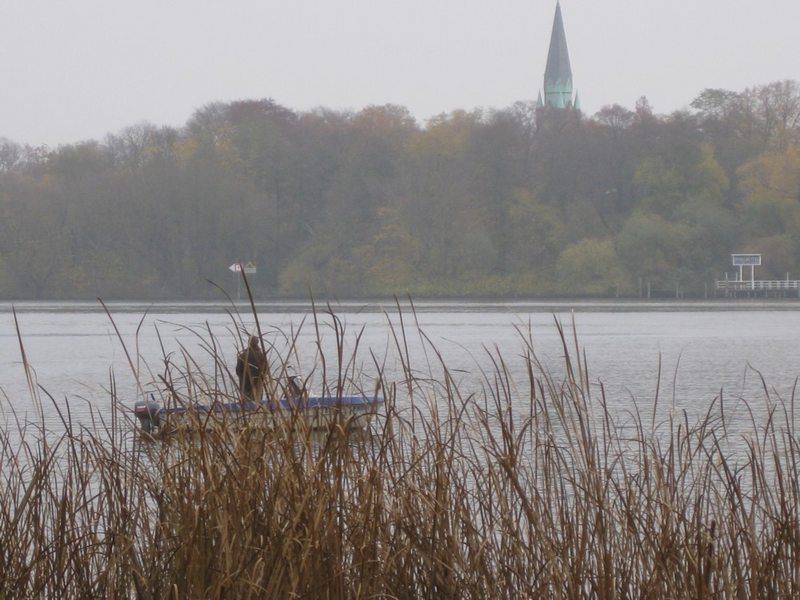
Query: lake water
point(74, 348)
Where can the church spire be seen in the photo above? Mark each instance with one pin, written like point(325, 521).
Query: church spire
point(558, 73)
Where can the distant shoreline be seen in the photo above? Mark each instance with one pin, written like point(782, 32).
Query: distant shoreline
point(421, 305)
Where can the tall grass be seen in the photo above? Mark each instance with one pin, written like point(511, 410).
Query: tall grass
point(512, 489)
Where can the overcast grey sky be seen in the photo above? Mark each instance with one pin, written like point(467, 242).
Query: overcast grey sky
point(72, 70)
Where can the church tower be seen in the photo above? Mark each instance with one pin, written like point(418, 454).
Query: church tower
point(558, 73)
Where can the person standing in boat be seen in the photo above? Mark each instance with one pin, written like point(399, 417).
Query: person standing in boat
point(251, 367)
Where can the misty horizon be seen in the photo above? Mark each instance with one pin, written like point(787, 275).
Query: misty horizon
point(77, 73)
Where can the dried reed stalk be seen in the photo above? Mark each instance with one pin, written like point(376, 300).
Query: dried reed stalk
point(518, 489)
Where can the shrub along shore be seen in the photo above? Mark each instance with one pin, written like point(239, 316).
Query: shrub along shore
point(517, 489)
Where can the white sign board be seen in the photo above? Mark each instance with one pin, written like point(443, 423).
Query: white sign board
point(746, 260)
point(248, 268)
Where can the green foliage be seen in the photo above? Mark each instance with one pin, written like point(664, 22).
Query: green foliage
point(536, 232)
point(774, 215)
point(771, 176)
point(713, 232)
point(667, 181)
point(716, 103)
point(323, 269)
point(473, 203)
point(654, 248)
point(591, 267)
point(390, 256)
point(780, 252)
point(709, 176)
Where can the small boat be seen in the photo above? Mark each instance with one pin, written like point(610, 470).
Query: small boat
point(316, 412)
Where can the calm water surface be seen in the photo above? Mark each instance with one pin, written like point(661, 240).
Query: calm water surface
point(702, 348)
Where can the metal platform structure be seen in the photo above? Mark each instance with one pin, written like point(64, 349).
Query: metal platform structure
point(755, 287)
point(759, 287)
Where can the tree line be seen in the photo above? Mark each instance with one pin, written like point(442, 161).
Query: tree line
point(517, 201)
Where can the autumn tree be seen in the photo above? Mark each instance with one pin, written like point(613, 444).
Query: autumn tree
point(654, 249)
point(592, 267)
point(518, 200)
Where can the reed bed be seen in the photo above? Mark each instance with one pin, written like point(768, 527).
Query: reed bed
point(511, 489)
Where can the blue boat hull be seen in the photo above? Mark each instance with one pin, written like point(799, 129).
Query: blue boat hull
point(314, 411)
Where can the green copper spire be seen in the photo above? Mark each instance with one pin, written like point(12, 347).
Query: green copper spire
point(558, 73)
